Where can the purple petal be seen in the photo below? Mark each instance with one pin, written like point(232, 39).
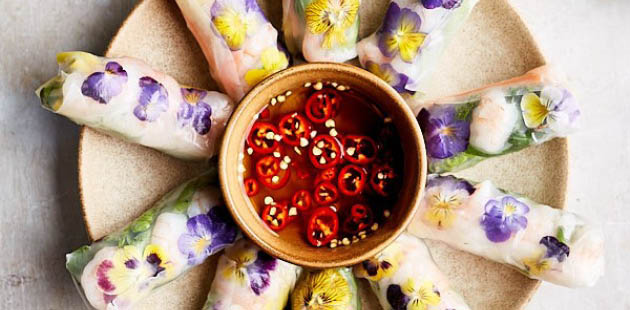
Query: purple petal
point(370, 267)
point(202, 121)
point(515, 222)
point(259, 271)
point(432, 4)
point(451, 4)
point(185, 111)
point(224, 230)
point(521, 208)
point(186, 244)
point(131, 263)
point(200, 225)
point(450, 183)
point(103, 86)
point(494, 208)
point(388, 29)
point(445, 136)
point(495, 229)
point(153, 100)
point(397, 300)
point(193, 95)
point(555, 248)
point(115, 68)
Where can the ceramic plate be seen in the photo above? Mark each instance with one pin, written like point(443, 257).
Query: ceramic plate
point(119, 181)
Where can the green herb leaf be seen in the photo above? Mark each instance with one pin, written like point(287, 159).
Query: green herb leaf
point(560, 235)
point(462, 112)
point(458, 162)
point(76, 261)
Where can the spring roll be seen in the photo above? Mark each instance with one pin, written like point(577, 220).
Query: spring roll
point(248, 278)
point(240, 44)
point(322, 30)
point(184, 228)
point(542, 242)
point(404, 276)
point(330, 289)
point(412, 37)
point(462, 130)
point(124, 97)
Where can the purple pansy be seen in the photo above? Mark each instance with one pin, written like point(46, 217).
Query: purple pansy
point(258, 272)
point(153, 100)
point(504, 218)
point(555, 248)
point(449, 183)
point(193, 110)
point(207, 234)
point(444, 135)
point(447, 4)
point(387, 73)
point(103, 86)
point(396, 298)
point(400, 33)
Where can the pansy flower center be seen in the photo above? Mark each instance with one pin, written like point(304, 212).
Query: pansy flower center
point(509, 209)
point(201, 244)
point(192, 97)
point(447, 131)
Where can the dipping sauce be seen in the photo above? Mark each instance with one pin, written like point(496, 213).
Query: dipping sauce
point(324, 162)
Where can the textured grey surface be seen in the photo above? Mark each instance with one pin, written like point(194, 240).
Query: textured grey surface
point(40, 218)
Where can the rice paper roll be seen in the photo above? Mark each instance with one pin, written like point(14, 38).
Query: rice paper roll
point(239, 43)
point(404, 276)
point(125, 98)
point(411, 39)
point(321, 30)
point(185, 227)
point(542, 242)
point(247, 278)
point(462, 130)
point(330, 289)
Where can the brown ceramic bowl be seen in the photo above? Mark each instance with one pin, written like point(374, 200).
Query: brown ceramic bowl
point(290, 245)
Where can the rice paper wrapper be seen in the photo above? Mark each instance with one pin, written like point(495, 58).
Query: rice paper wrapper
point(125, 98)
point(248, 278)
point(321, 30)
point(404, 275)
point(411, 39)
point(334, 289)
point(541, 242)
point(463, 130)
point(239, 43)
point(185, 227)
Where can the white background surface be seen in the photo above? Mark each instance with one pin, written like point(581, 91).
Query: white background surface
point(40, 217)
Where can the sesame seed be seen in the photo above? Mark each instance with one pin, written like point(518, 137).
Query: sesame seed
point(362, 233)
point(275, 222)
point(277, 137)
point(317, 151)
point(284, 165)
point(318, 85)
point(355, 239)
point(293, 211)
point(288, 93)
point(250, 151)
point(275, 179)
point(307, 84)
point(272, 211)
point(320, 144)
point(341, 88)
point(374, 227)
point(282, 98)
point(334, 84)
point(386, 213)
point(345, 241)
point(380, 176)
point(274, 101)
point(277, 154)
point(335, 241)
point(270, 135)
point(363, 236)
point(313, 134)
point(303, 142)
point(333, 208)
point(330, 123)
point(350, 151)
point(297, 150)
point(333, 132)
point(268, 200)
point(387, 120)
point(333, 155)
point(287, 159)
point(256, 116)
point(333, 245)
point(322, 160)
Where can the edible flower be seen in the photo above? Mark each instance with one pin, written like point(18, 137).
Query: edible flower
point(249, 266)
point(153, 100)
point(322, 290)
point(235, 20)
point(103, 86)
point(504, 218)
point(387, 73)
point(444, 135)
point(272, 60)
point(555, 108)
point(382, 266)
point(207, 234)
point(331, 18)
point(412, 296)
point(400, 33)
point(193, 110)
point(443, 196)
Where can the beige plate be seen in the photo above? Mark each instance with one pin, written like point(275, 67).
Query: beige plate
point(119, 180)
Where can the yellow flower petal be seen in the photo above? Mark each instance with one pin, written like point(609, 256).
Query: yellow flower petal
point(322, 290)
point(428, 295)
point(536, 266)
point(272, 61)
point(383, 74)
point(331, 18)
point(158, 251)
point(409, 44)
point(77, 61)
point(232, 26)
point(534, 111)
point(334, 37)
point(409, 288)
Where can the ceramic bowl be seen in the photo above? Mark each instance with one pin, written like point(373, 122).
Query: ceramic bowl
point(290, 245)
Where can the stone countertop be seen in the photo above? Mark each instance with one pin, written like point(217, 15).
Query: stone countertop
point(40, 217)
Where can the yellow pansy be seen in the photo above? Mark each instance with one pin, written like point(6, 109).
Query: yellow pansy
point(322, 290)
point(382, 266)
point(421, 296)
point(272, 60)
point(441, 208)
point(537, 265)
point(331, 18)
point(535, 110)
point(232, 26)
point(129, 268)
point(239, 260)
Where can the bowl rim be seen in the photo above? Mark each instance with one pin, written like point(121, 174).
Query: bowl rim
point(417, 186)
